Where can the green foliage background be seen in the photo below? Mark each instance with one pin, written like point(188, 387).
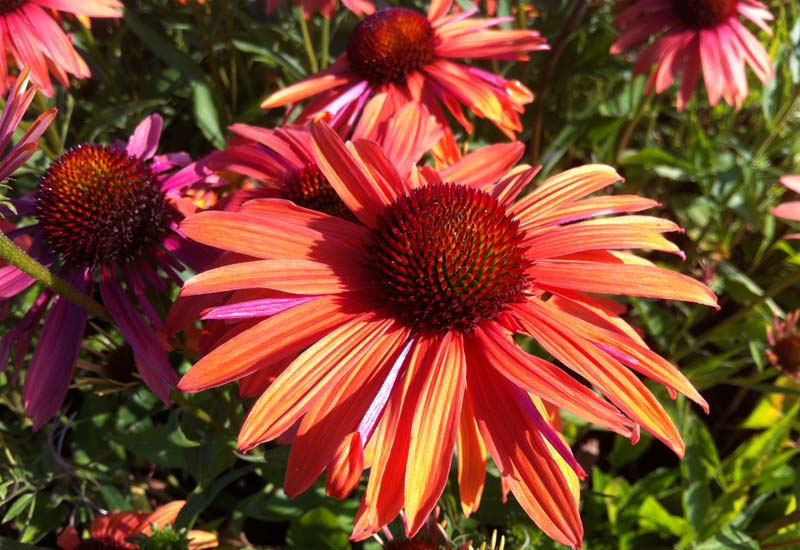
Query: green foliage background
point(714, 170)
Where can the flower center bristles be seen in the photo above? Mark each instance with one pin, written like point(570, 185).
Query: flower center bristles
point(310, 189)
point(447, 257)
point(787, 350)
point(97, 205)
point(705, 13)
point(388, 45)
point(7, 6)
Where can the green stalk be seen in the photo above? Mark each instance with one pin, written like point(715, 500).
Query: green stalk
point(312, 56)
point(56, 145)
point(21, 260)
point(325, 42)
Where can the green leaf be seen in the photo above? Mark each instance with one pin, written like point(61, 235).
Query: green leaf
point(198, 502)
point(207, 115)
point(654, 517)
point(744, 463)
point(318, 529)
point(10, 544)
point(18, 507)
point(729, 538)
point(697, 496)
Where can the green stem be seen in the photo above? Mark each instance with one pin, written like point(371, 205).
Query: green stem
point(312, 56)
point(627, 133)
point(21, 260)
point(721, 327)
point(783, 115)
point(325, 43)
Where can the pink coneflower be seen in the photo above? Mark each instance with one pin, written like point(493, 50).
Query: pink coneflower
point(789, 210)
point(405, 54)
point(34, 39)
point(326, 7)
point(696, 36)
point(399, 344)
point(784, 341)
point(102, 212)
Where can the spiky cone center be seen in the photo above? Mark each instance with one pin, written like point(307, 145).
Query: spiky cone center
point(310, 189)
point(7, 6)
point(704, 14)
point(415, 544)
point(98, 205)
point(390, 44)
point(787, 354)
point(447, 257)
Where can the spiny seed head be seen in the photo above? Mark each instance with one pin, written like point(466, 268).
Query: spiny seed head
point(390, 44)
point(98, 205)
point(787, 354)
point(704, 14)
point(310, 189)
point(447, 257)
point(7, 6)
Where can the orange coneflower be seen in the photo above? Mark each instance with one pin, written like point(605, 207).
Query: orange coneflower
point(405, 54)
point(696, 36)
point(36, 40)
point(404, 324)
point(326, 7)
point(114, 530)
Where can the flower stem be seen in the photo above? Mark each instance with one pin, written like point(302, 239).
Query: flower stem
point(325, 43)
point(21, 260)
point(312, 55)
point(627, 133)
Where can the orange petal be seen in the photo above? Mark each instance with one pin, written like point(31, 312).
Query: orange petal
point(292, 276)
point(271, 340)
point(201, 540)
point(306, 88)
point(485, 166)
point(583, 209)
point(564, 188)
point(269, 239)
point(346, 176)
point(542, 378)
point(163, 516)
point(330, 420)
point(631, 280)
point(344, 471)
point(434, 428)
point(471, 459)
point(310, 377)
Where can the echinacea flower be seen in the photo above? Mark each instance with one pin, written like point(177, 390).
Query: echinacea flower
point(694, 37)
point(784, 341)
point(34, 39)
point(112, 531)
point(326, 7)
point(406, 55)
point(398, 346)
point(789, 210)
point(111, 213)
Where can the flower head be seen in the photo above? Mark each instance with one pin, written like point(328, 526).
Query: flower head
point(114, 530)
point(105, 215)
point(789, 210)
point(696, 36)
point(404, 54)
point(474, 266)
point(36, 40)
point(784, 341)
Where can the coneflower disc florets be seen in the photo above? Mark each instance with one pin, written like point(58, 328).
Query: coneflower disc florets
point(7, 6)
point(448, 257)
point(97, 205)
point(310, 189)
point(704, 13)
point(388, 45)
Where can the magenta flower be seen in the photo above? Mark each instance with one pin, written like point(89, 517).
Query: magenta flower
point(106, 218)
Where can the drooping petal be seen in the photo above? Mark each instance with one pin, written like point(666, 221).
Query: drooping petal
point(471, 459)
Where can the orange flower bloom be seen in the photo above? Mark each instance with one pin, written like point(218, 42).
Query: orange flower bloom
point(789, 210)
point(326, 7)
point(34, 39)
point(112, 530)
point(403, 324)
point(696, 36)
point(404, 54)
